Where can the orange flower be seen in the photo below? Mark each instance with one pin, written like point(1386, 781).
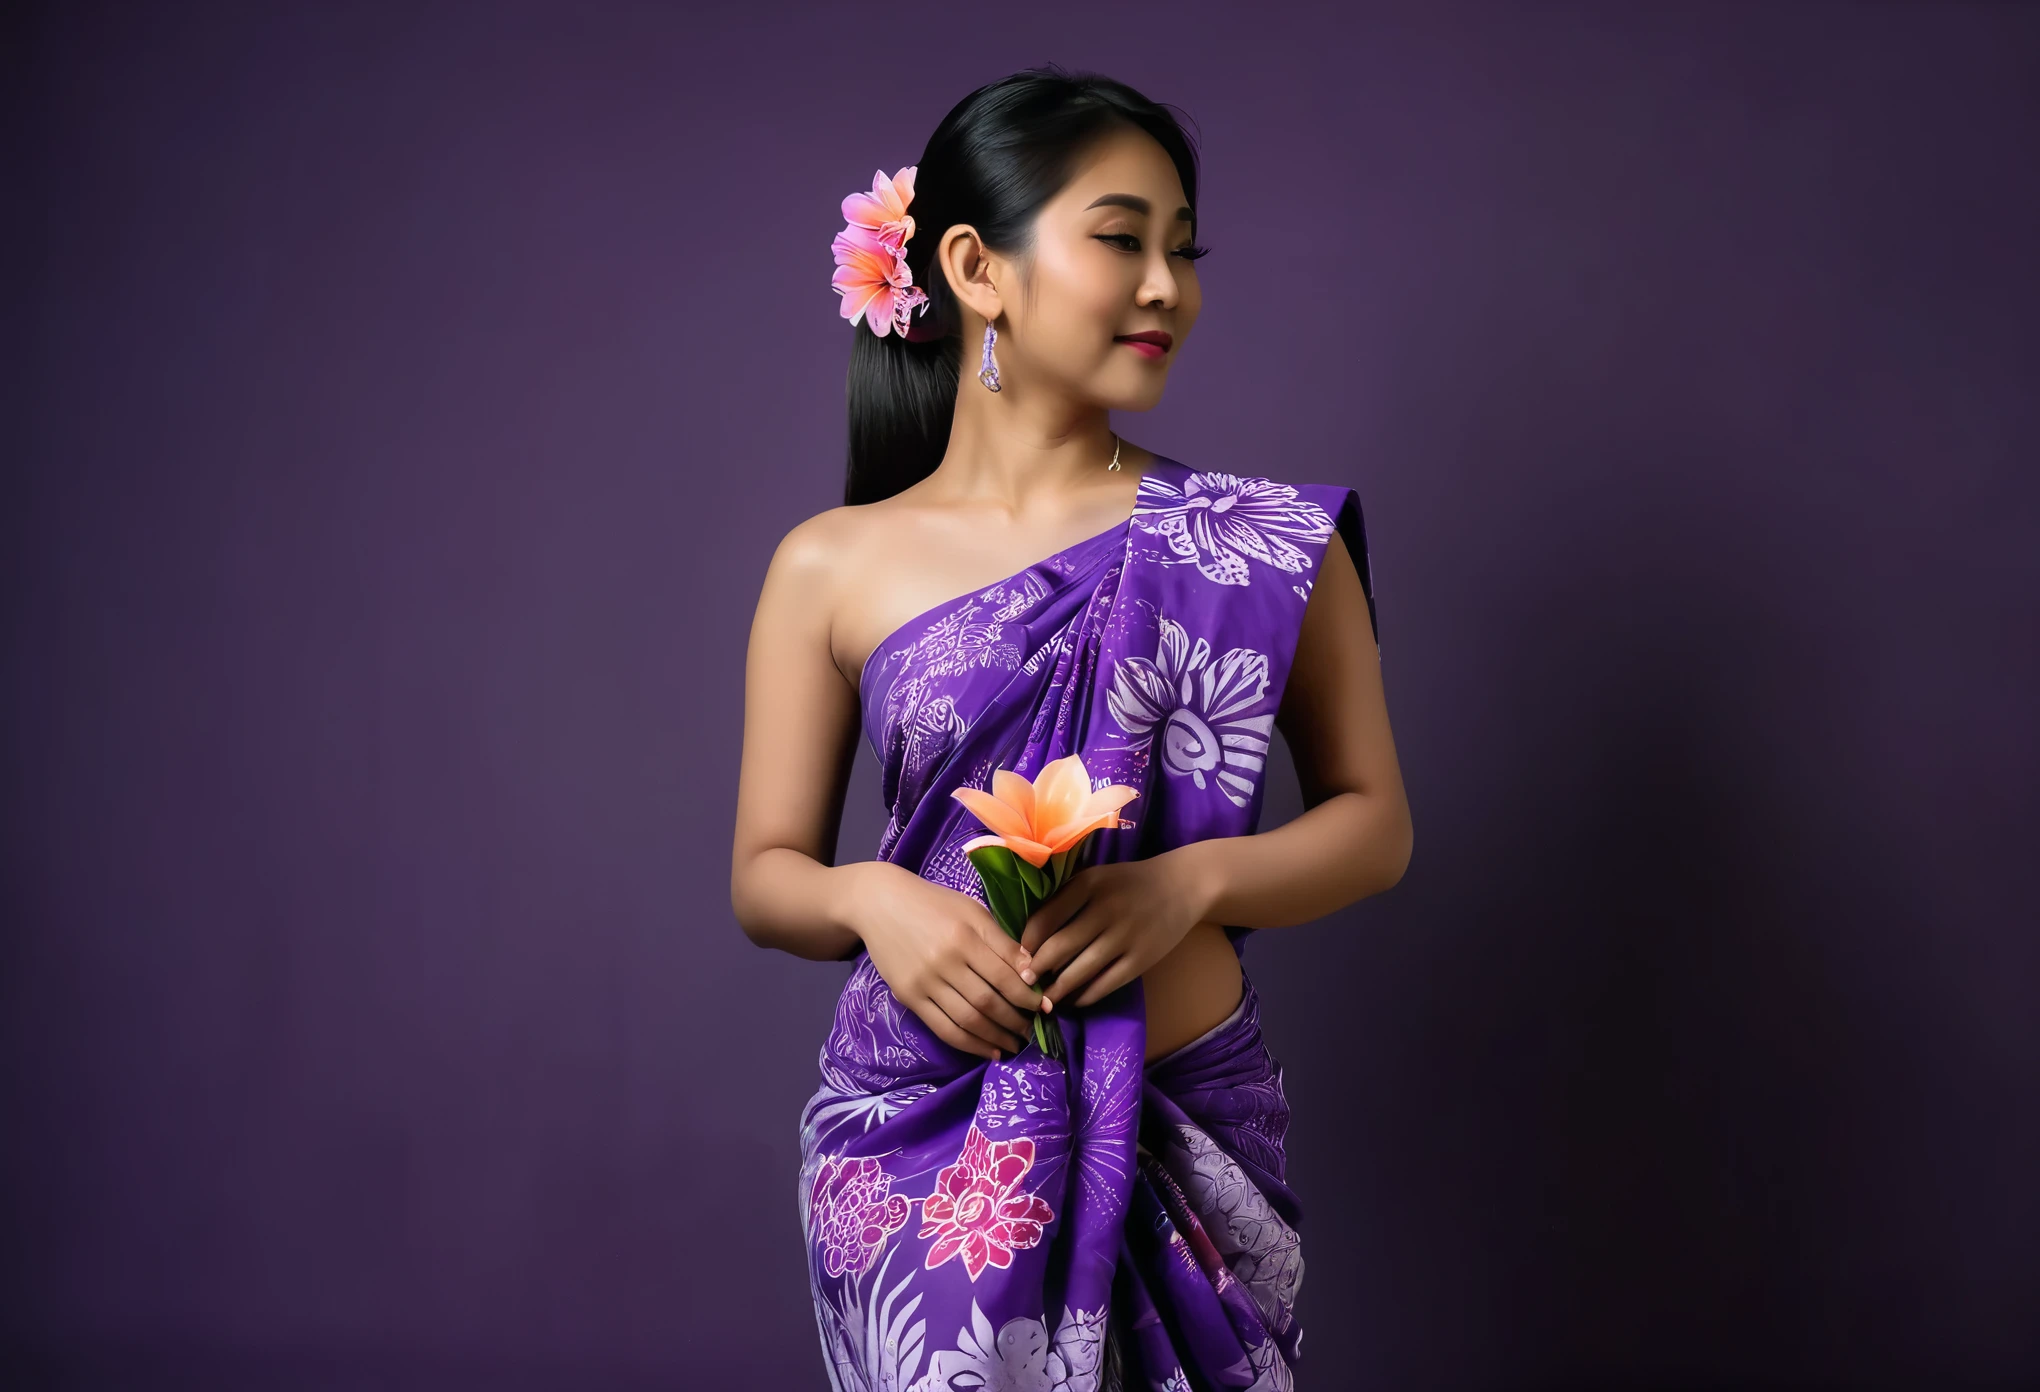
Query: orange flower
point(1048, 816)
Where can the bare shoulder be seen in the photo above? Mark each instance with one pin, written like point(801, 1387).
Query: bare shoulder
point(818, 566)
point(812, 554)
point(798, 591)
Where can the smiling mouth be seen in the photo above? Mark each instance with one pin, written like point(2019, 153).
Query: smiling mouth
point(1150, 343)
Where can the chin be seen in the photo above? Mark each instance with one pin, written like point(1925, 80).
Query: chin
point(1134, 396)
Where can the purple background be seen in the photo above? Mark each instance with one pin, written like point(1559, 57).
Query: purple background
point(414, 395)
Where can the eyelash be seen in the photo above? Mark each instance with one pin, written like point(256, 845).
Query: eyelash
point(1189, 251)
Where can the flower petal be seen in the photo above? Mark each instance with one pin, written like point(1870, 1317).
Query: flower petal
point(856, 272)
point(883, 194)
point(857, 298)
point(860, 270)
point(1101, 809)
point(1070, 833)
point(855, 238)
point(878, 315)
point(1007, 1170)
point(864, 210)
point(997, 815)
point(1015, 791)
point(1060, 790)
point(1026, 1208)
point(1033, 852)
point(897, 234)
point(945, 1247)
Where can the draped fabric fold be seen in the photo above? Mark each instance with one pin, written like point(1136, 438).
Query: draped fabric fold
point(1091, 1222)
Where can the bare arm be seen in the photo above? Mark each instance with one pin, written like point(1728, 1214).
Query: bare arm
point(1112, 922)
point(940, 951)
point(1355, 839)
point(800, 733)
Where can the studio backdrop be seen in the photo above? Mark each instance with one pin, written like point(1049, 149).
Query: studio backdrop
point(409, 398)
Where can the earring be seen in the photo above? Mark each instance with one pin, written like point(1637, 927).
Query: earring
point(989, 372)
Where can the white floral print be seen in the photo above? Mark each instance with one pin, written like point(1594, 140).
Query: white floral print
point(1107, 1112)
point(1261, 1249)
point(840, 1100)
point(873, 1031)
point(1220, 521)
point(981, 1243)
point(871, 1348)
point(1200, 707)
point(1021, 1357)
point(853, 1213)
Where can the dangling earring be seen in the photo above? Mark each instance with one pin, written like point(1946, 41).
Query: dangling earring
point(989, 372)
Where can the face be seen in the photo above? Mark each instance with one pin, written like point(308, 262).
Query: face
point(1099, 307)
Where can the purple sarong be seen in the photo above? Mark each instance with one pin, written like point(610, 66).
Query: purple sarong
point(1091, 1222)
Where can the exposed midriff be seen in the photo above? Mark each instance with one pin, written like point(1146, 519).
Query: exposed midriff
point(1192, 989)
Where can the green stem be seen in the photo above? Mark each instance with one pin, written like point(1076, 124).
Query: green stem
point(1048, 1034)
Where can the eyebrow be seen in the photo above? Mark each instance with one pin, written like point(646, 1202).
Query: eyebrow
point(1137, 203)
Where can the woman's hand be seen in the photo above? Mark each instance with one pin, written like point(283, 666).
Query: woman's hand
point(1108, 924)
point(945, 958)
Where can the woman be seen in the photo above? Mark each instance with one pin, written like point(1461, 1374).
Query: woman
point(1008, 585)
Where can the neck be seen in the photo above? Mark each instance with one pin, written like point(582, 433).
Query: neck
point(1007, 451)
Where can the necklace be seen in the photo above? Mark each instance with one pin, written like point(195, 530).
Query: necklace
point(1114, 465)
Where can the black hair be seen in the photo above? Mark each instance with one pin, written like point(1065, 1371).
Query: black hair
point(998, 156)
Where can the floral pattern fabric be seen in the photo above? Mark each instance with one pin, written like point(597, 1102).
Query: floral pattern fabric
point(978, 1211)
point(1092, 1222)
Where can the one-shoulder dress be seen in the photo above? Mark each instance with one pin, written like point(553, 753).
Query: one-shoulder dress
point(1090, 1222)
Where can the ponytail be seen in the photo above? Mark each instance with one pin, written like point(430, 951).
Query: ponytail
point(902, 396)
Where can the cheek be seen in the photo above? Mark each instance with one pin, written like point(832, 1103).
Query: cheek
point(1079, 300)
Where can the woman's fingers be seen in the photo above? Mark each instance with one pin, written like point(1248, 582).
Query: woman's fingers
point(972, 1020)
point(1106, 982)
point(1045, 922)
point(1016, 957)
point(1016, 1001)
point(1071, 939)
point(1074, 977)
point(951, 1033)
point(986, 999)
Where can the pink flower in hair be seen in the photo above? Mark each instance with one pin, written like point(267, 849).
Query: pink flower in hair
point(884, 209)
point(871, 256)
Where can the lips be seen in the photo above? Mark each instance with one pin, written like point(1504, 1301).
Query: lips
point(1149, 343)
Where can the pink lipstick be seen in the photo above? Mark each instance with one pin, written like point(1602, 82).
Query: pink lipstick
point(1149, 343)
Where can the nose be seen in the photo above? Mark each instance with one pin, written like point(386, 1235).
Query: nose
point(1158, 288)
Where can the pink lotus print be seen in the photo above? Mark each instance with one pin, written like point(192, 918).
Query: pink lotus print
point(977, 1210)
point(852, 1213)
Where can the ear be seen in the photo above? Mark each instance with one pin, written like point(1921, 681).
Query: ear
point(973, 272)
